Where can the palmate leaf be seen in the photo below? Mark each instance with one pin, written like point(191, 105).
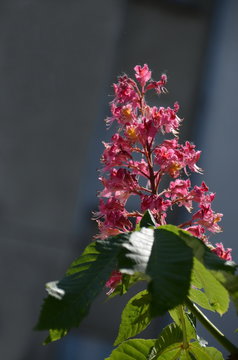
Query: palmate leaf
point(132, 349)
point(169, 346)
point(83, 281)
point(172, 352)
point(168, 343)
point(163, 256)
point(176, 351)
point(135, 316)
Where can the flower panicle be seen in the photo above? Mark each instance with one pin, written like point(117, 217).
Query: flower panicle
point(134, 158)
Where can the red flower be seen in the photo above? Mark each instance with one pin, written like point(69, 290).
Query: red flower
point(114, 280)
point(134, 164)
point(143, 74)
point(221, 252)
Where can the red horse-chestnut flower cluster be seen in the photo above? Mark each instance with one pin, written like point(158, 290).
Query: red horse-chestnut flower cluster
point(134, 164)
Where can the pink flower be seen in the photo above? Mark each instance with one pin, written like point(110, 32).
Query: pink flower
point(173, 157)
point(121, 184)
point(169, 158)
point(131, 133)
point(178, 191)
point(154, 202)
point(221, 252)
point(114, 214)
point(139, 167)
point(105, 231)
point(122, 114)
point(166, 119)
point(112, 204)
point(125, 91)
point(134, 164)
point(158, 86)
point(116, 153)
point(143, 74)
point(114, 280)
point(146, 130)
point(197, 193)
point(208, 218)
point(197, 231)
point(191, 157)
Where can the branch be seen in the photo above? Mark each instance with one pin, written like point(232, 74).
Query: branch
point(218, 335)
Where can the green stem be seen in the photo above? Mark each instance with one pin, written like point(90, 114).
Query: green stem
point(218, 335)
point(181, 318)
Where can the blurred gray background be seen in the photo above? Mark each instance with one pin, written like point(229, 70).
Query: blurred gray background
point(58, 60)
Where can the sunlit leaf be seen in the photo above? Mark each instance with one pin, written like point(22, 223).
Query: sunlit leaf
point(135, 316)
point(200, 298)
point(168, 343)
point(204, 353)
point(55, 335)
point(190, 328)
point(215, 292)
point(136, 349)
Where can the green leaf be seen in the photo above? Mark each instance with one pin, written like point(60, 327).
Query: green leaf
point(132, 349)
point(135, 316)
point(169, 267)
point(168, 343)
point(200, 298)
point(222, 270)
point(215, 292)
point(165, 255)
point(230, 282)
point(147, 220)
point(55, 335)
point(204, 353)
point(172, 352)
point(186, 355)
point(213, 271)
point(137, 252)
point(190, 328)
point(166, 260)
point(83, 281)
point(201, 251)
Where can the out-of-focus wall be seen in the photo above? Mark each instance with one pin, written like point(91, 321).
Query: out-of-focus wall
point(217, 128)
point(55, 59)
